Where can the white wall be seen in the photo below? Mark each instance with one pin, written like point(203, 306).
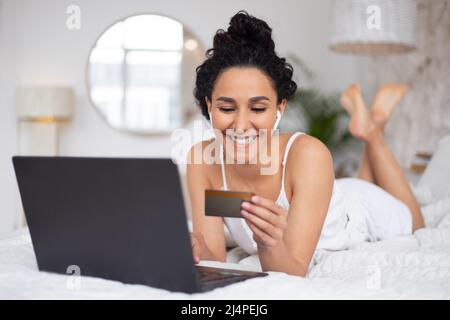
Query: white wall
point(423, 118)
point(36, 48)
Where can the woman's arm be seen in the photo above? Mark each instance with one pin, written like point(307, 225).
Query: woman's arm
point(268, 221)
point(208, 236)
point(288, 246)
point(313, 179)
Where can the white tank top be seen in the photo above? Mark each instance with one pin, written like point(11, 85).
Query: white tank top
point(342, 227)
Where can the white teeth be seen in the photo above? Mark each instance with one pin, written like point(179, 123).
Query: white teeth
point(243, 141)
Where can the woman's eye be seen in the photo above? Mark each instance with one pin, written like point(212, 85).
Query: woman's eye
point(226, 109)
point(259, 109)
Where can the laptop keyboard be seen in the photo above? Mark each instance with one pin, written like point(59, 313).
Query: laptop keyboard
point(206, 275)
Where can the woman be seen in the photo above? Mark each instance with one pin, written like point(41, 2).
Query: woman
point(242, 87)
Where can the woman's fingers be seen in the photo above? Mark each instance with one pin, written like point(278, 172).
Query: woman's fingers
point(260, 236)
point(263, 225)
point(268, 204)
point(196, 249)
point(260, 212)
point(265, 214)
point(266, 219)
point(196, 253)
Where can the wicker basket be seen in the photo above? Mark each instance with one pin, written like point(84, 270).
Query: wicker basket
point(351, 33)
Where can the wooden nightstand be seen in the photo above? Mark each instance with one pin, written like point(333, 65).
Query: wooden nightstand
point(418, 166)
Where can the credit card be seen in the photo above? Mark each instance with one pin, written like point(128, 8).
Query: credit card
point(221, 203)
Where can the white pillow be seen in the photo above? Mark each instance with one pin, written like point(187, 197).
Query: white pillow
point(434, 184)
point(437, 214)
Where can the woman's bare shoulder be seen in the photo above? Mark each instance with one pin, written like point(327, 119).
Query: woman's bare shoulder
point(309, 166)
point(308, 151)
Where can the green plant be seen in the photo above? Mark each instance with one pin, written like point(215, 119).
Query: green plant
point(319, 114)
point(323, 116)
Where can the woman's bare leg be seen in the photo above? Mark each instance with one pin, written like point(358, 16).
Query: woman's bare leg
point(384, 167)
point(390, 176)
point(365, 170)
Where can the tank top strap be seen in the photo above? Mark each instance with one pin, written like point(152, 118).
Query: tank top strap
point(286, 152)
point(222, 166)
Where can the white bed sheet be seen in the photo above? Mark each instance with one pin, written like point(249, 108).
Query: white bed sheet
point(411, 267)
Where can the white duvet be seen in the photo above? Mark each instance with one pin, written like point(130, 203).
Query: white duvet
point(416, 266)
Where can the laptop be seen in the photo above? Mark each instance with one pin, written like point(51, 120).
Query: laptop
point(121, 219)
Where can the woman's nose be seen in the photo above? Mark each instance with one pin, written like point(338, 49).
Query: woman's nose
point(242, 121)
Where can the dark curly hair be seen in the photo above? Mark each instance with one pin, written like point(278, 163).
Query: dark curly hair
point(247, 43)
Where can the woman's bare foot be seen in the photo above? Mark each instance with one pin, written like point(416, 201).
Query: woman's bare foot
point(386, 99)
point(361, 124)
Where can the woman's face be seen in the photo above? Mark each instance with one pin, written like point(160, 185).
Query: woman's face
point(244, 103)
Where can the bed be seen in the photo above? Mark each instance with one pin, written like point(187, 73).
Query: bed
point(408, 267)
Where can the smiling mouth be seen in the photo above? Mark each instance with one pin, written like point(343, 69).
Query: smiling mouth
point(242, 141)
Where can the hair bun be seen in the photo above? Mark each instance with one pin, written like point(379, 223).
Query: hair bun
point(246, 43)
point(245, 29)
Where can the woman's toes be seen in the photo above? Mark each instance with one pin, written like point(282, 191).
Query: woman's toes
point(349, 98)
point(386, 99)
point(346, 102)
point(353, 102)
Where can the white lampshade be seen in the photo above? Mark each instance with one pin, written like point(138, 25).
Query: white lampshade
point(353, 30)
point(34, 103)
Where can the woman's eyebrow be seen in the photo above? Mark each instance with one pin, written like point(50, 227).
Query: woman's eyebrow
point(258, 98)
point(226, 99)
point(251, 100)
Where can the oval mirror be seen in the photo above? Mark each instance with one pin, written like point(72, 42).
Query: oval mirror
point(141, 74)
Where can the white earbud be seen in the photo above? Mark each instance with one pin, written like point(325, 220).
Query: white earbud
point(277, 120)
point(210, 120)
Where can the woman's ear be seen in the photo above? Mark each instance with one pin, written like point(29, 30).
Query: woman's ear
point(282, 106)
point(208, 104)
